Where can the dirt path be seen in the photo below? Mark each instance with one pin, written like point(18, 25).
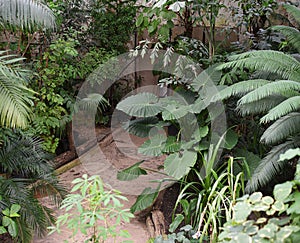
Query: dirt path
point(114, 153)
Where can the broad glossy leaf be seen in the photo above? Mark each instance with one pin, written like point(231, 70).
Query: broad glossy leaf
point(153, 146)
point(131, 172)
point(255, 197)
point(144, 200)
point(210, 75)
point(2, 230)
point(241, 211)
point(141, 126)
point(13, 229)
point(174, 112)
point(231, 139)
point(140, 105)
point(14, 209)
point(267, 200)
point(282, 191)
point(291, 153)
point(179, 164)
point(172, 145)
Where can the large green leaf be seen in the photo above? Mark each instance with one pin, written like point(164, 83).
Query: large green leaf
point(145, 200)
point(290, 154)
point(179, 164)
point(172, 145)
point(173, 112)
point(209, 76)
point(131, 172)
point(153, 146)
point(141, 126)
point(141, 105)
point(231, 139)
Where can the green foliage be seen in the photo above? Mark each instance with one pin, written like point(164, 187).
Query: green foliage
point(26, 175)
point(53, 85)
point(59, 71)
point(15, 98)
point(27, 15)
point(113, 24)
point(189, 13)
point(184, 235)
point(258, 218)
point(186, 150)
point(207, 201)
point(98, 211)
point(276, 97)
point(9, 224)
point(255, 14)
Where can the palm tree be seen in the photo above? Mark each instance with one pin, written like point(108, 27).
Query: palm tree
point(15, 97)
point(277, 98)
point(26, 15)
point(24, 167)
point(27, 174)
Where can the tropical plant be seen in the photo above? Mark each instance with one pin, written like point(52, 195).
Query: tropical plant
point(207, 201)
point(189, 13)
point(15, 98)
point(9, 224)
point(258, 218)
point(254, 15)
point(274, 92)
point(26, 15)
point(27, 174)
point(192, 155)
point(112, 24)
point(99, 211)
point(59, 71)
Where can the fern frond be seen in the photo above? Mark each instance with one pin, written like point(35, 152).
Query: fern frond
point(292, 35)
point(294, 11)
point(26, 15)
point(285, 107)
point(271, 61)
point(239, 89)
point(282, 128)
point(277, 87)
point(270, 166)
point(260, 106)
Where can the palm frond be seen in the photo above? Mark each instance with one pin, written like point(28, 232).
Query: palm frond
point(282, 128)
point(294, 11)
point(292, 35)
point(260, 106)
point(92, 102)
point(270, 166)
point(24, 156)
point(277, 87)
point(271, 61)
point(240, 88)
point(26, 15)
point(15, 97)
point(287, 106)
